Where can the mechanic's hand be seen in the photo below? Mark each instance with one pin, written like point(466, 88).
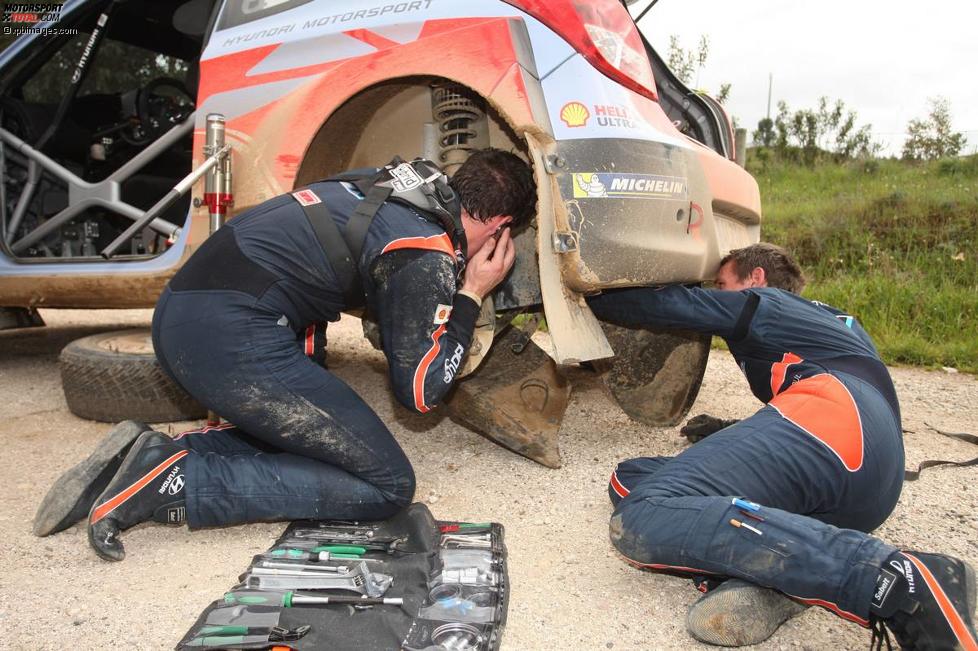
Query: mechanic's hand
point(490, 264)
point(699, 427)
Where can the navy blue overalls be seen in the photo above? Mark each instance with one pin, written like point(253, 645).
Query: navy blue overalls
point(234, 329)
point(784, 498)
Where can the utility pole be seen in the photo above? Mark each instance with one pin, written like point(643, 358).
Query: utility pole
point(770, 83)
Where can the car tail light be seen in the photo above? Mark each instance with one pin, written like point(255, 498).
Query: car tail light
point(603, 31)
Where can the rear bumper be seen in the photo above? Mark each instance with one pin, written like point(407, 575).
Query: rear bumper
point(637, 212)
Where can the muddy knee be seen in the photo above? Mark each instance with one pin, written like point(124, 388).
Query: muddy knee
point(625, 540)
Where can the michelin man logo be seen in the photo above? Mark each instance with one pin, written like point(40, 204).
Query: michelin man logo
point(590, 185)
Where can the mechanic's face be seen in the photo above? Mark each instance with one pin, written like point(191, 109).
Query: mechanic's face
point(727, 279)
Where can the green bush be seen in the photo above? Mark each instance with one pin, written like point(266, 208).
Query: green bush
point(893, 242)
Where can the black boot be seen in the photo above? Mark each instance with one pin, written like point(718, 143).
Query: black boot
point(927, 601)
point(71, 496)
point(148, 486)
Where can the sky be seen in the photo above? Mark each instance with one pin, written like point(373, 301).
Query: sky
point(883, 59)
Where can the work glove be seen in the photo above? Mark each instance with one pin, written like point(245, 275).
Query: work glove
point(699, 427)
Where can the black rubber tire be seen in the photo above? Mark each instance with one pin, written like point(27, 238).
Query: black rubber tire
point(114, 376)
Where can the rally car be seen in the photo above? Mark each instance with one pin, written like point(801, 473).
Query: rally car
point(104, 110)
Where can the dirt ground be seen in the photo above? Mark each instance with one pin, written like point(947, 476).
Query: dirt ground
point(569, 589)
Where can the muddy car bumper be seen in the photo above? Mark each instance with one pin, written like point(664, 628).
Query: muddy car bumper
point(633, 212)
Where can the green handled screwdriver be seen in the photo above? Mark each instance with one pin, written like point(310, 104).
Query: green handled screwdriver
point(288, 599)
point(342, 551)
point(321, 553)
point(229, 635)
point(230, 629)
point(227, 640)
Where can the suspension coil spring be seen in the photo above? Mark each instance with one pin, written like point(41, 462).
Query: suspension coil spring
point(455, 114)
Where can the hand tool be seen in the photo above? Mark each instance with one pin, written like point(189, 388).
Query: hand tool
point(357, 532)
point(360, 580)
point(468, 576)
point(315, 567)
point(231, 635)
point(277, 571)
point(244, 615)
point(289, 598)
point(472, 541)
point(311, 552)
point(302, 538)
point(452, 528)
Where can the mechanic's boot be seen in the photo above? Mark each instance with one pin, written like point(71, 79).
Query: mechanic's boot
point(148, 486)
point(738, 613)
point(70, 497)
point(927, 601)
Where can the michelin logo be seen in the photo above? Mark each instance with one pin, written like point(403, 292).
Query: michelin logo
point(590, 185)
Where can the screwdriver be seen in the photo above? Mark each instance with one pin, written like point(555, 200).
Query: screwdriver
point(230, 635)
point(288, 599)
point(320, 552)
point(226, 640)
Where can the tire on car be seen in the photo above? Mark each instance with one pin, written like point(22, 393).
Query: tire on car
point(114, 376)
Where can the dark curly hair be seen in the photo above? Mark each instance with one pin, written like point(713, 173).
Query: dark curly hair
point(779, 267)
point(493, 182)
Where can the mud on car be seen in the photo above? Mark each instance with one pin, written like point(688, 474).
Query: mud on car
point(636, 177)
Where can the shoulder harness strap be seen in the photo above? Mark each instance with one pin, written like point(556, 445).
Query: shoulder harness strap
point(418, 184)
point(334, 245)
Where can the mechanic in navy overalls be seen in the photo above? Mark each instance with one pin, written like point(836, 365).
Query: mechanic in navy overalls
point(785, 498)
point(233, 325)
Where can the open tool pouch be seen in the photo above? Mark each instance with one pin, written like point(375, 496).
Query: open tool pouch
point(409, 583)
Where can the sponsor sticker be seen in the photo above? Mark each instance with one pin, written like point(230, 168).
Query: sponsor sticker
point(577, 114)
point(307, 197)
point(574, 114)
point(442, 312)
point(589, 185)
point(404, 178)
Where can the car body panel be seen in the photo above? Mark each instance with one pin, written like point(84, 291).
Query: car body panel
point(280, 79)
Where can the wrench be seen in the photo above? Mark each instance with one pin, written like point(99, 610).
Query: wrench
point(362, 580)
point(342, 569)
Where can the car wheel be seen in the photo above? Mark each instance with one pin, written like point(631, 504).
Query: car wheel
point(115, 376)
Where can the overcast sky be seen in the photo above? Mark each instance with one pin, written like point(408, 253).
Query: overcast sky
point(882, 58)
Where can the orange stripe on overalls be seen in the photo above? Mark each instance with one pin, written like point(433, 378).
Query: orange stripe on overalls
point(823, 407)
point(780, 369)
point(422, 370)
point(440, 242)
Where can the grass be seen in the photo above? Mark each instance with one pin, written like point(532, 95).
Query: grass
point(894, 243)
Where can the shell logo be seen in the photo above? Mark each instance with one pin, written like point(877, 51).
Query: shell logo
point(574, 114)
point(442, 312)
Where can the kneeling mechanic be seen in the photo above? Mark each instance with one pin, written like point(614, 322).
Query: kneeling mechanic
point(234, 325)
point(785, 499)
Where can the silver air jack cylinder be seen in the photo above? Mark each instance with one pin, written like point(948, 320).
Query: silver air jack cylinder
point(217, 190)
point(217, 183)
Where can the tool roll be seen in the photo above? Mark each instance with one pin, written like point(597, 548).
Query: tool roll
point(409, 583)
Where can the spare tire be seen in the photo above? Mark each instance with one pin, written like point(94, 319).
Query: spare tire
point(114, 376)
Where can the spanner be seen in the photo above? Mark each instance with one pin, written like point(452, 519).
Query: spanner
point(362, 581)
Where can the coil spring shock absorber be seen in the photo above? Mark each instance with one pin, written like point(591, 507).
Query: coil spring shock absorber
point(461, 125)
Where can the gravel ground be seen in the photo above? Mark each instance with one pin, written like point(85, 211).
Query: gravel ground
point(570, 590)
